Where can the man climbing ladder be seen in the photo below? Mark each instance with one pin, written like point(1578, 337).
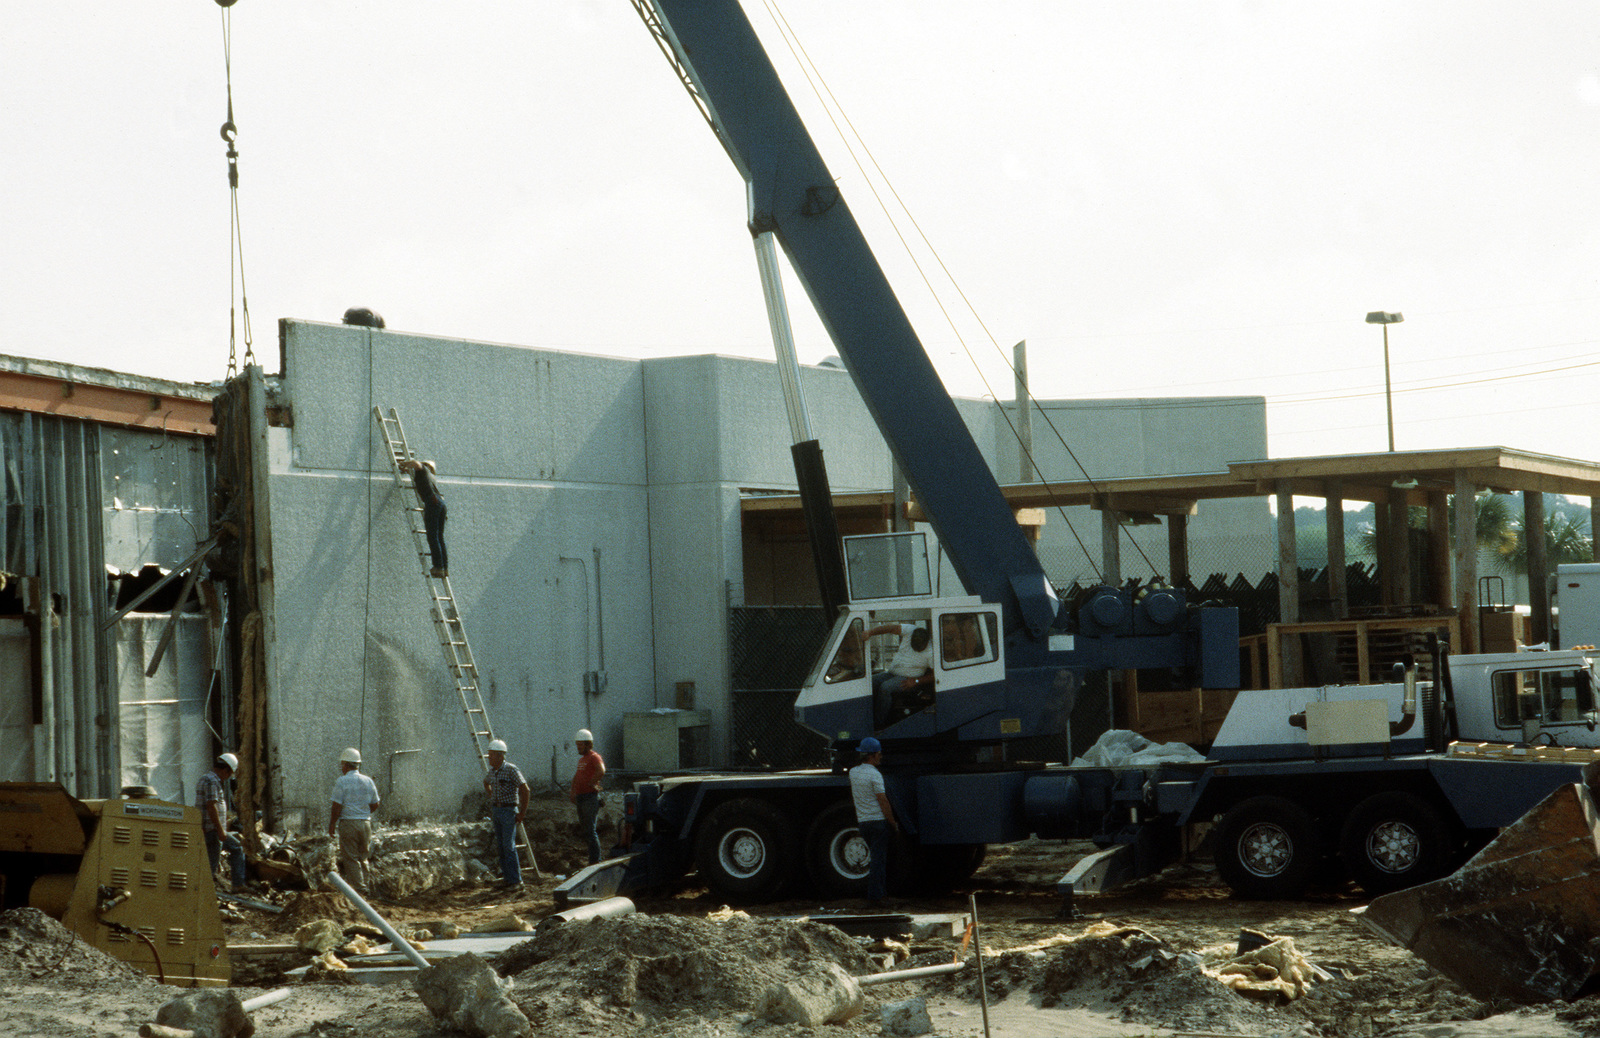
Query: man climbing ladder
point(434, 511)
point(428, 538)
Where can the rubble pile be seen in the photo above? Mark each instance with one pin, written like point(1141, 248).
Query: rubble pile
point(635, 969)
point(34, 946)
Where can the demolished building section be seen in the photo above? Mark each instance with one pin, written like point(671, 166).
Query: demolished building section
point(105, 479)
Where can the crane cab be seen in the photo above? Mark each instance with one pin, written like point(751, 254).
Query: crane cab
point(900, 662)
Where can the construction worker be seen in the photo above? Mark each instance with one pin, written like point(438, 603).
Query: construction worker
point(508, 806)
point(355, 797)
point(211, 797)
point(586, 790)
point(434, 511)
point(874, 815)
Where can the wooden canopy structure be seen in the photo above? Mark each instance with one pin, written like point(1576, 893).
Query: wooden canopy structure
point(1392, 481)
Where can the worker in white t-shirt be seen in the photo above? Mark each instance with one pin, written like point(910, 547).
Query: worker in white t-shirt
point(874, 816)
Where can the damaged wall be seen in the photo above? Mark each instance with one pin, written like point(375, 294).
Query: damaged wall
point(87, 500)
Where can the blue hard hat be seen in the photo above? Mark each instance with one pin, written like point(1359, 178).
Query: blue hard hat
point(870, 745)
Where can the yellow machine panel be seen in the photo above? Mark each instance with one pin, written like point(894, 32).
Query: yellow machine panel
point(128, 875)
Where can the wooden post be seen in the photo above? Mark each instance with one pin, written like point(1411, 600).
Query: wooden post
point(1337, 590)
point(1467, 563)
point(1177, 549)
point(1439, 548)
point(1110, 544)
point(1288, 584)
point(1399, 560)
point(1538, 565)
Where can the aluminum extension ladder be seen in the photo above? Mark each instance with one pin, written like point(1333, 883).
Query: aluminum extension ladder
point(446, 618)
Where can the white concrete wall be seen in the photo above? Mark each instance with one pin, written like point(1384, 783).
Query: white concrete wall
point(540, 460)
point(1146, 437)
point(545, 457)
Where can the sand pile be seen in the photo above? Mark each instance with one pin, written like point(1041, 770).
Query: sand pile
point(664, 969)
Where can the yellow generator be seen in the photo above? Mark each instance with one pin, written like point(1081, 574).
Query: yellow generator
point(127, 875)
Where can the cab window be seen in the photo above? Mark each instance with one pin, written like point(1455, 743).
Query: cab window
point(1551, 695)
point(966, 639)
point(849, 661)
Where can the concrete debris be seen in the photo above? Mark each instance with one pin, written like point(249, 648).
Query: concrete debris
point(210, 1013)
point(827, 996)
point(508, 923)
point(319, 936)
point(907, 1018)
point(466, 993)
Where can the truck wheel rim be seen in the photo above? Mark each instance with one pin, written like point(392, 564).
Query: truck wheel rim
point(1265, 849)
point(1393, 847)
point(742, 853)
point(850, 855)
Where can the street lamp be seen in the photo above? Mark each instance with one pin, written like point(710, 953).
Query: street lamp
point(1386, 319)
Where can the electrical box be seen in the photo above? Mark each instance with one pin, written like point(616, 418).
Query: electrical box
point(666, 740)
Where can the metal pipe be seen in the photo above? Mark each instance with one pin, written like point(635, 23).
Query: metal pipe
point(977, 950)
point(911, 974)
point(401, 945)
point(609, 908)
point(271, 998)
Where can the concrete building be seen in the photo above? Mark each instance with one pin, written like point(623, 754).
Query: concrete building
point(596, 537)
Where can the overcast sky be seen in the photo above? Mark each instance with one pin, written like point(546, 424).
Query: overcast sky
point(1163, 199)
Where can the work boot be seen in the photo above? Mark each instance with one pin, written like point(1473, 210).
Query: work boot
point(437, 572)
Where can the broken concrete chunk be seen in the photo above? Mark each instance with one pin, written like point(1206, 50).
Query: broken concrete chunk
point(907, 1018)
point(508, 923)
point(465, 993)
point(212, 1013)
point(829, 996)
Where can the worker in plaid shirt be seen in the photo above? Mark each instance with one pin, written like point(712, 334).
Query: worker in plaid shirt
point(508, 805)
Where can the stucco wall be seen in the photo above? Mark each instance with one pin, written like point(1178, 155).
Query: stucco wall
point(545, 457)
point(540, 460)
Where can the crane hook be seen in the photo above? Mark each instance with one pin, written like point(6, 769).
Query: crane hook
point(229, 131)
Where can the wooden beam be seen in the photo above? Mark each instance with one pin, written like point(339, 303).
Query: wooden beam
point(108, 404)
point(1538, 565)
point(1337, 589)
point(1177, 548)
point(1288, 585)
point(1467, 562)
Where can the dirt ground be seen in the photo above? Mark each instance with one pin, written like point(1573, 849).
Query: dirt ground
point(1131, 965)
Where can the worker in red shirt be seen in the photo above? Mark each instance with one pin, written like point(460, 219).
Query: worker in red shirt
point(586, 790)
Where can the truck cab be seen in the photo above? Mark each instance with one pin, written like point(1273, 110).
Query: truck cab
point(1526, 697)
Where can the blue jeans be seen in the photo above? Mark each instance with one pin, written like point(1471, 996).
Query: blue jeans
point(214, 845)
point(505, 838)
point(876, 833)
point(433, 517)
point(588, 823)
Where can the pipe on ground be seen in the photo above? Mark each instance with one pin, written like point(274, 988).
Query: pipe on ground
point(401, 945)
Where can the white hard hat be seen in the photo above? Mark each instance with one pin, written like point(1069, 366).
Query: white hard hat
point(230, 760)
point(584, 735)
point(498, 744)
point(350, 756)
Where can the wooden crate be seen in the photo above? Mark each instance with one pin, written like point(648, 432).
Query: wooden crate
point(1190, 715)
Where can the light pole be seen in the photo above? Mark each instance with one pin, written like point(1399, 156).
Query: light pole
point(1386, 319)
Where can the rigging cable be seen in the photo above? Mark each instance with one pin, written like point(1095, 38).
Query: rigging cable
point(830, 104)
point(237, 317)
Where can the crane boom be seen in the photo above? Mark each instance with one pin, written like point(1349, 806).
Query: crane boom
point(793, 195)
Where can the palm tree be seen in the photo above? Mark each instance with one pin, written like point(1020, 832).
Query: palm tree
point(1495, 529)
point(1566, 539)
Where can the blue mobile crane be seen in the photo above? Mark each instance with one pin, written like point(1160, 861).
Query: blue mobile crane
point(1009, 655)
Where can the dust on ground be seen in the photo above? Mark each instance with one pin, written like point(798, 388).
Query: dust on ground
point(1133, 964)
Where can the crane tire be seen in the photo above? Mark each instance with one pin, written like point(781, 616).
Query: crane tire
point(1267, 847)
point(837, 858)
point(744, 850)
point(1396, 840)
